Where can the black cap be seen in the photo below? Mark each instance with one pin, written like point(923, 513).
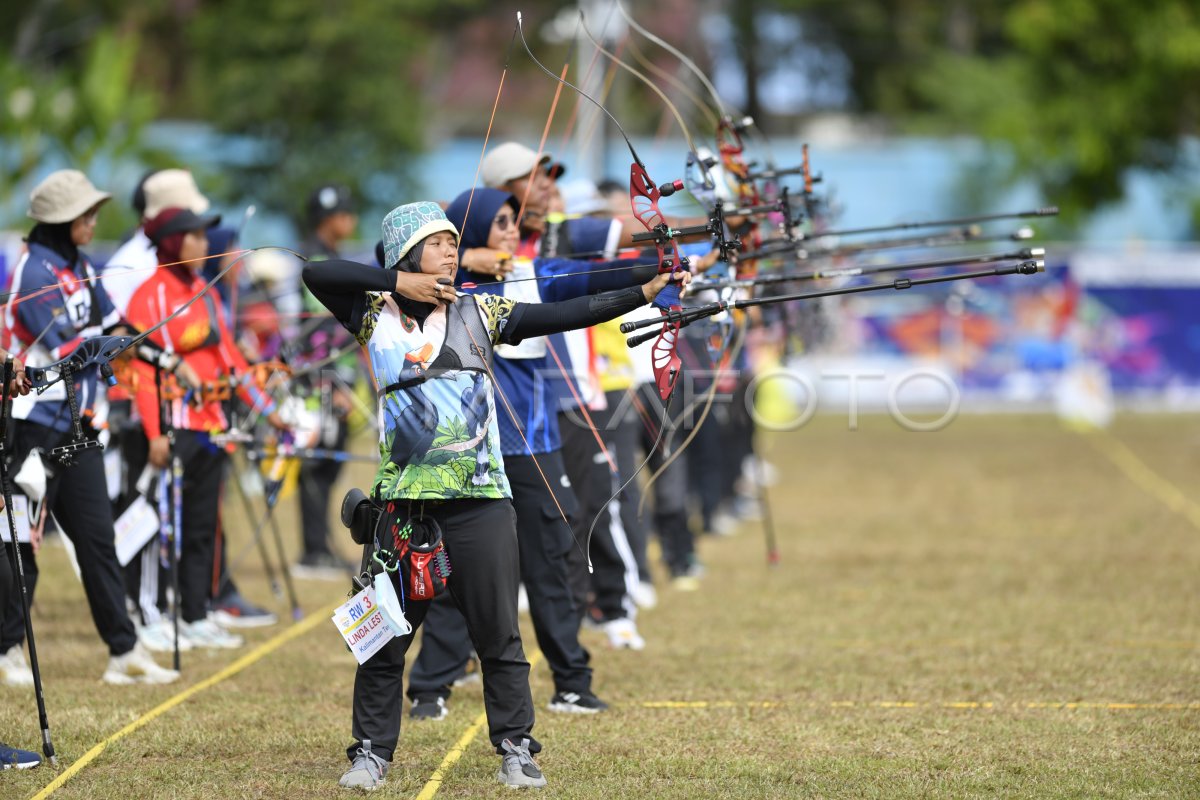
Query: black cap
point(327, 200)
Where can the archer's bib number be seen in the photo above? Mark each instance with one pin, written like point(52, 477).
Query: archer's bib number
point(361, 625)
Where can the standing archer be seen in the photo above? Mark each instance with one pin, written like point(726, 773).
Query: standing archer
point(395, 312)
point(199, 336)
point(56, 303)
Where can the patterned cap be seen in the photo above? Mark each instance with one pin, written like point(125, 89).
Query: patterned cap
point(403, 227)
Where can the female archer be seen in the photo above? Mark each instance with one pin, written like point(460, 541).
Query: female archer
point(56, 303)
point(413, 308)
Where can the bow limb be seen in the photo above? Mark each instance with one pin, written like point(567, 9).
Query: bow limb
point(640, 76)
point(644, 195)
point(705, 189)
point(675, 52)
point(708, 403)
point(711, 116)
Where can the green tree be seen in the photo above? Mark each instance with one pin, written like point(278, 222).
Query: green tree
point(81, 116)
point(1081, 91)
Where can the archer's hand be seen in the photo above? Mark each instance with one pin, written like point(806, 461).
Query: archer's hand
point(650, 290)
point(486, 261)
point(160, 452)
point(20, 383)
point(189, 379)
point(425, 288)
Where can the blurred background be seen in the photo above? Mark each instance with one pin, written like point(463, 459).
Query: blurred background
point(913, 109)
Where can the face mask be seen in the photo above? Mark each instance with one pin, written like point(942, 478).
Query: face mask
point(389, 605)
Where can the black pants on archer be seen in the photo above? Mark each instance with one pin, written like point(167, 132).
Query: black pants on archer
point(545, 541)
point(78, 497)
point(480, 538)
point(203, 471)
point(317, 478)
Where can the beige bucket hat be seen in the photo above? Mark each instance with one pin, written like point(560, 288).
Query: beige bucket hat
point(64, 196)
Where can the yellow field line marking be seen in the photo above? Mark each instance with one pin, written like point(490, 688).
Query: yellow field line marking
point(1140, 473)
point(456, 752)
point(966, 704)
point(266, 648)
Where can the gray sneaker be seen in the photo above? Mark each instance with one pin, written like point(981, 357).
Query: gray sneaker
point(368, 771)
point(518, 769)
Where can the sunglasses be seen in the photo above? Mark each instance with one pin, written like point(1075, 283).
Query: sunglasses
point(503, 221)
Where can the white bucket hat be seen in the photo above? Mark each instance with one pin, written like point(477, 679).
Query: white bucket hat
point(173, 188)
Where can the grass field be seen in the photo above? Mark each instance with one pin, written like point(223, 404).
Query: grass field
point(1001, 609)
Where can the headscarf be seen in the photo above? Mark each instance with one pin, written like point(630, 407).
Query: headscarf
point(55, 236)
point(478, 226)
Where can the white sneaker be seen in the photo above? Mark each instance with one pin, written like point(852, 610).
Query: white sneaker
point(137, 666)
point(723, 524)
point(206, 633)
point(645, 595)
point(623, 634)
point(14, 669)
point(159, 637)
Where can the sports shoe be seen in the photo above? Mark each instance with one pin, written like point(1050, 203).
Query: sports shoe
point(431, 708)
point(367, 772)
point(623, 634)
point(517, 767)
point(685, 583)
point(722, 524)
point(235, 611)
point(208, 634)
point(12, 758)
point(14, 669)
point(159, 637)
point(645, 596)
point(322, 567)
point(577, 703)
point(137, 666)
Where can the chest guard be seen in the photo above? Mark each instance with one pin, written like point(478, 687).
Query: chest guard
point(467, 346)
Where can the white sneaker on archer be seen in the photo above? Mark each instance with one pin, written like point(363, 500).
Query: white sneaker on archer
point(623, 634)
point(13, 669)
point(137, 666)
point(159, 637)
point(208, 634)
point(645, 595)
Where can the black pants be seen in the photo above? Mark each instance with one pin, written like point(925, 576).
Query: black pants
point(317, 478)
point(203, 471)
point(620, 426)
point(12, 627)
point(78, 497)
point(613, 563)
point(445, 650)
point(7, 582)
point(544, 540)
point(481, 540)
point(670, 490)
